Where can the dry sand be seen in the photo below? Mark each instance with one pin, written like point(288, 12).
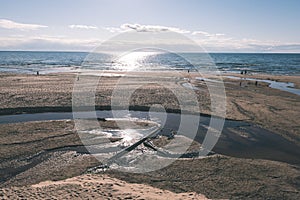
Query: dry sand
point(92, 187)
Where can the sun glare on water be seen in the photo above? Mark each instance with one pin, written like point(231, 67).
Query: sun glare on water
point(133, 61)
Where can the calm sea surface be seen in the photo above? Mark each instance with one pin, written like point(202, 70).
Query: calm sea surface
point(46, 62)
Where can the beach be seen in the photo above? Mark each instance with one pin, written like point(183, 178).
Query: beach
point(149, 100)
point(52, 151)
point(53, 92)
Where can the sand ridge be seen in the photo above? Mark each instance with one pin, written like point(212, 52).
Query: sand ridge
point(93, 186)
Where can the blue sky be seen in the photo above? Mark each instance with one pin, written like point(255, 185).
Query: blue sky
point(217, 25)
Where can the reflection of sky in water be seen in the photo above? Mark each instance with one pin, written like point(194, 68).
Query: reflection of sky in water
point(129, 136)
point(284, 86)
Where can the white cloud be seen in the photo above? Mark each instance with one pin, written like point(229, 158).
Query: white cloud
point(145, 28)
point(47, 43)
point(74, 26)
point(200, 33)
point(224, 44)
point(206, 34)
point(8, 24)
point(114, 29)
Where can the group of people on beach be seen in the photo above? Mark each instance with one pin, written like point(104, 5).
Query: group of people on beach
point(244, 72)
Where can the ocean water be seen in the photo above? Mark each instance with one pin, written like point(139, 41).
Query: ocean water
point(47, 62)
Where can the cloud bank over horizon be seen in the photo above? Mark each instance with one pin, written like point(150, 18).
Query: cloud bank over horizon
point(19, 36)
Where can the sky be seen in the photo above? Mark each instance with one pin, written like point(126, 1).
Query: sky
point(216, 25)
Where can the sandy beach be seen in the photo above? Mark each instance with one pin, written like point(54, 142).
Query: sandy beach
point(39, 158)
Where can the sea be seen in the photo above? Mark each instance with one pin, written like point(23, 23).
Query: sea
point(49, 62)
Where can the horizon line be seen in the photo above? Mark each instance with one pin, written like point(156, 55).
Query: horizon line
point(212, 52)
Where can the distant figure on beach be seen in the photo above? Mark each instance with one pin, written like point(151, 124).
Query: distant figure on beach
point(37, 73)
point(242, 72)
point(256, 83)
point(188, 70)
point(245, 71)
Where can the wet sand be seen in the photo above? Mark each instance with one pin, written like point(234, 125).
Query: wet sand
point(36, 152)
point(271, 109)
